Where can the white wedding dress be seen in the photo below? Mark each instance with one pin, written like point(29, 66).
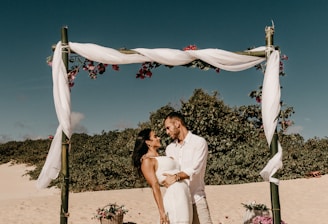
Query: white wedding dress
point(177, 200)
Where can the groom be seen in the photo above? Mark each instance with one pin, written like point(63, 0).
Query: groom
point(190, 151)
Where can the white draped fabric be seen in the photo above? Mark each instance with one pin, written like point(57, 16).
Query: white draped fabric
point(218, 58)
point(270, 112)
point(271, 102)
point(62, 100)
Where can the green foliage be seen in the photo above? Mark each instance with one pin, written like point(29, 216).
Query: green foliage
point(104, 161)
point(254, 206)
point(238, 150)
point(30, 152)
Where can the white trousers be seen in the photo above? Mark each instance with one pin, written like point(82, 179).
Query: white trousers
point(201, 213)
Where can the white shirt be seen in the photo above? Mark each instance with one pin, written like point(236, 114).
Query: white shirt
point(192, 158)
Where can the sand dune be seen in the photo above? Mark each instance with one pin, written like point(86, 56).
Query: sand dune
point(302, 201)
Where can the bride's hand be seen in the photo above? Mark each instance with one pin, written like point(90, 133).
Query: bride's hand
point(165, 220)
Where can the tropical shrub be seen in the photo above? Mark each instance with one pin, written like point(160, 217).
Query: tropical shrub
point(238, 150)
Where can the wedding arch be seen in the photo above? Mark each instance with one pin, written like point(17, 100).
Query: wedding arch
point(57, 158)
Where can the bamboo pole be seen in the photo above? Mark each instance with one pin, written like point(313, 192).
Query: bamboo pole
point(65, 146)
point(274, 190)
point(275, 202)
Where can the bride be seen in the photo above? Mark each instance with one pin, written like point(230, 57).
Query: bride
point(175, 206)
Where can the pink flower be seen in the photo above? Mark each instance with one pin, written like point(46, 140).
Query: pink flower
point(101, 68)
point(115, 67)
point(190, 47)
point(49, 60)
point(91, 67)
point(149, 74)
point(263, 220)
point(284, 57)
point(258, 99)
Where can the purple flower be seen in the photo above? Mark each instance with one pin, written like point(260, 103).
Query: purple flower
point(264, 220)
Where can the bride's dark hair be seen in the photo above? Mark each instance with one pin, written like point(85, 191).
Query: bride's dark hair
point(140, 149)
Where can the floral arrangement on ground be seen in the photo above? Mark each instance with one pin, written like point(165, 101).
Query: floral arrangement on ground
point(264, 220)
point(110, 211)
point(257, 213)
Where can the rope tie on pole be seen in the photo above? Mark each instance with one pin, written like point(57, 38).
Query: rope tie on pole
point(65, 48)
point(268, 51)
point(275, 209)
point(64, 214)
point(67, 142)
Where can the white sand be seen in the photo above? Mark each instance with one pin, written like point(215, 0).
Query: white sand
point(302, 201)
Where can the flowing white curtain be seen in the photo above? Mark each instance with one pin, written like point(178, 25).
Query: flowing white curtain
point(270, 112)
point(62, 100)
point(218, 58)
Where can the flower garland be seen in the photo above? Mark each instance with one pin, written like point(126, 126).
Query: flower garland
point(94, 69)
point(281, 66)
point(257, 95)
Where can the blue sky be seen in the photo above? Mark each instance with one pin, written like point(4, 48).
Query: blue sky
point(118, 100)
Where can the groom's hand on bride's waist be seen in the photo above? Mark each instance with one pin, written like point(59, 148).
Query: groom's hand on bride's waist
point(169, 180)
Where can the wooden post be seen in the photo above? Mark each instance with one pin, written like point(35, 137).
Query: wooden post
point(275, 202)
point(65, 146)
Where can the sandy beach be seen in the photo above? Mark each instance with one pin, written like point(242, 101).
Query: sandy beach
point(302, 201)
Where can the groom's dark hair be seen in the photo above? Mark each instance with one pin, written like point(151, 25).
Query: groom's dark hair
point(178, 116)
